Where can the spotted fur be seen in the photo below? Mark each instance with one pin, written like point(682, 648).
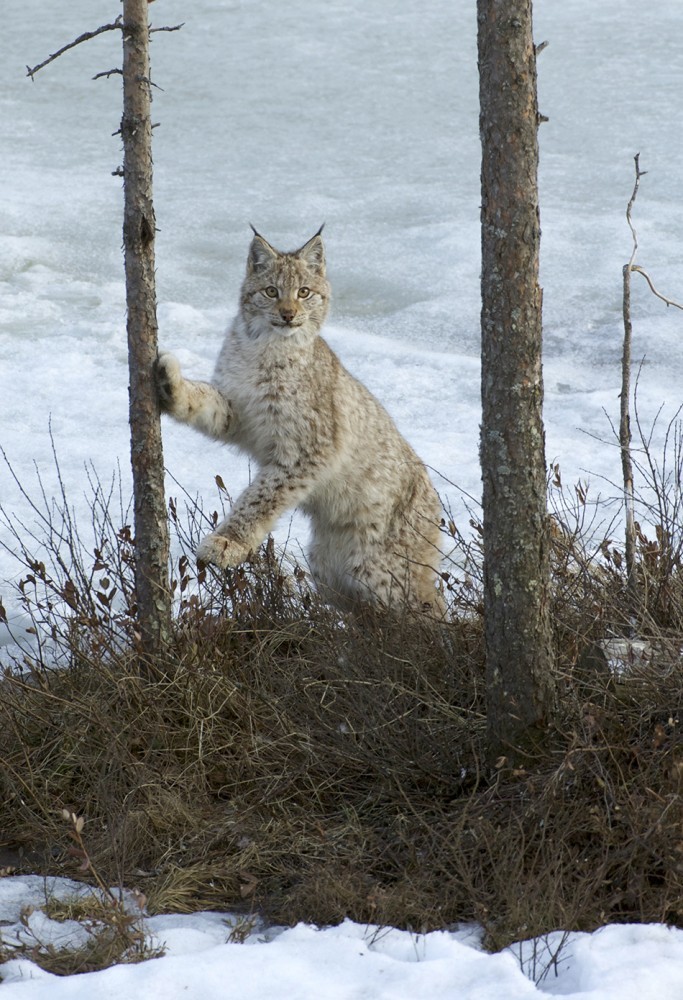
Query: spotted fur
point(322, 442)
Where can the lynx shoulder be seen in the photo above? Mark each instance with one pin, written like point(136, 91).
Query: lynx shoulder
point(322, 442)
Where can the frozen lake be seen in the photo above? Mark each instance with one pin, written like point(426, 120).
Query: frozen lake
point(362, 114)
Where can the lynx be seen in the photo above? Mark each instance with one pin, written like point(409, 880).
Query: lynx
point(321, 441)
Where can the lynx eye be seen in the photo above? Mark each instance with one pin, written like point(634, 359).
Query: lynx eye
point(304, 292)
point(272, 292)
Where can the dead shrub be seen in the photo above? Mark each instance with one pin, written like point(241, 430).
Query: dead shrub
point(109, 928)
point(290, 761)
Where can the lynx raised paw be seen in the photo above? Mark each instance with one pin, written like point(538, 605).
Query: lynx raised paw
point(169, 381)
point(221, 551)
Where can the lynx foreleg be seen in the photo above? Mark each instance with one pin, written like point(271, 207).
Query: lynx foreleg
point(254, 513)
point(199, 404)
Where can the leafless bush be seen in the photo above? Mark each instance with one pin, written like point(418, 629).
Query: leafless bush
point(290, 761)
point(110, 931)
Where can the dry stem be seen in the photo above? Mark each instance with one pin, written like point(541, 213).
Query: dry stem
point(85, 37)
point(625, 419)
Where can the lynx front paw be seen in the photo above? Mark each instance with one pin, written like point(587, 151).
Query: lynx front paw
point(221, 551)
point(169, 382)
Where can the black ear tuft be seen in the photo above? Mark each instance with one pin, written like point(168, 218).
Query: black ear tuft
point(261, 253)
point(313, 252)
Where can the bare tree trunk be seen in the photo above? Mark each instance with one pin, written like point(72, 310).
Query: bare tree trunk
point(151, 524)
point(625, 407)
point(625, 444)
point(634, 587)
point(520, 680)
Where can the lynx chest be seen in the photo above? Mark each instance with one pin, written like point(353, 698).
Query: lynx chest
point(272, 400)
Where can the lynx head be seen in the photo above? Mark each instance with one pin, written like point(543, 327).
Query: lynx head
point(285, 292)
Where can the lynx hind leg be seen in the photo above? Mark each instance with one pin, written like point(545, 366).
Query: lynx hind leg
point(426, 594)
point(382, 582)
point(406, 570)
point(351, 575)
point(396, 581)
point(424, 560)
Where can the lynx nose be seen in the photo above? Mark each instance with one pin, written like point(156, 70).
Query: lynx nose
point(287, 314)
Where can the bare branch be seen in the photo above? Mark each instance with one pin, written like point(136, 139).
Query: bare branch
point(639, 173)
point(108, 73)
point(175, 27)
point(625, 404)
point(625, 419)
point(85, 37)
point(151, 83)
point(669, 302)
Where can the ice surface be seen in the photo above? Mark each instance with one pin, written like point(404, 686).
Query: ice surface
point(362, 114)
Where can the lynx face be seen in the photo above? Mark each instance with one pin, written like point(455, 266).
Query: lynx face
point(285, 292)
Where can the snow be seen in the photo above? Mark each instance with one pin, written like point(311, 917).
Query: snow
point(362, 114)
point(348, 962)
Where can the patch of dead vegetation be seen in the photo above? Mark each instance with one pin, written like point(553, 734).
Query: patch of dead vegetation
point(288, 761)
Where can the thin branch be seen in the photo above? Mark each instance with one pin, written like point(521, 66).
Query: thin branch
point(625, 403)
point(639, 173)
point(151, 83)
point(175, 27)
point(625, 421)
point(669, 302)
point(108, 73)
point(85, 37)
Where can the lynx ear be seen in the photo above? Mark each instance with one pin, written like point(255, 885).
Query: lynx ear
point(261, 253)
point(313, 252)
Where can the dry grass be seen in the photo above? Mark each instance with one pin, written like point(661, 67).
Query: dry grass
point(104, 927)
point(287, 761)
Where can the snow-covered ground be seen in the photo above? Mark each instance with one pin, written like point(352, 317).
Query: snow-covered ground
point(348, 962)
point(362, 114)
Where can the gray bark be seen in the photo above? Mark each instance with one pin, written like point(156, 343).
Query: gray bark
point(151, 524)
point(519, 661)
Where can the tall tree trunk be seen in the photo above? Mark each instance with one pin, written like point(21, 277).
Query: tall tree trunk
point(519, 662)
point(151, 524)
